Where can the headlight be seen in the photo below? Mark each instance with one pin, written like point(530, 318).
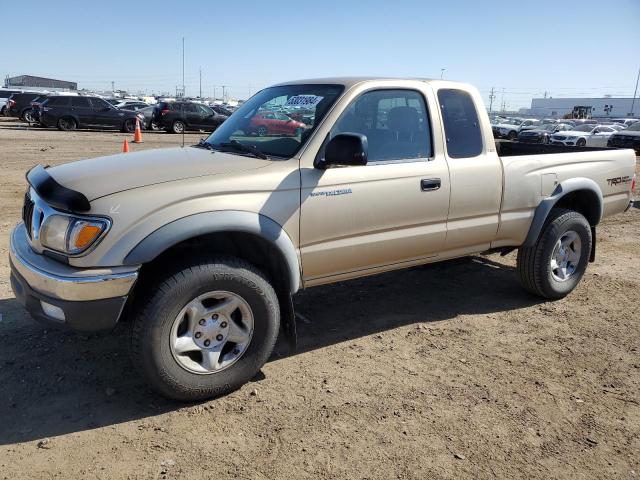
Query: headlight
point(71, 235)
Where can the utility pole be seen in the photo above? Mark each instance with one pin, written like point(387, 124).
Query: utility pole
point(215, 87)
point(183, 90)
point(200, 83)
point(502, 102)
point(635, 92)
point(224, 93)
point(442, 72)
point(492, 95)
point(113, 86)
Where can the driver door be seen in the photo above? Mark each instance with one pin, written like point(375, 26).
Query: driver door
point(389, 212)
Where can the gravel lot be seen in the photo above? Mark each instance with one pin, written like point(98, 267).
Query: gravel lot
point(443, 371)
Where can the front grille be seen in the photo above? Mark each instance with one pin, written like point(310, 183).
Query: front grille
point(27, 213)
point(559, 138)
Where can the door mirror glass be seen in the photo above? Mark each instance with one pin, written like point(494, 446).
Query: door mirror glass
point(345, 149)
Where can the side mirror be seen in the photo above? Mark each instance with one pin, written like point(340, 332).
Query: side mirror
point(105, 109)
point(345, 149)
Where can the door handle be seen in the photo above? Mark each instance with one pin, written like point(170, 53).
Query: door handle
point(429, 184)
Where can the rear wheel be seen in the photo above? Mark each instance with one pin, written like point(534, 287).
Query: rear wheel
point(178, 126)
point(206, 329)
point(555, 264)
point(581, 142)
point(262, 131)
point(67, 123)
point(129, 126)
point(27, 116)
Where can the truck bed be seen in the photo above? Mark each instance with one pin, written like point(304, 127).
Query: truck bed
point(506, 148)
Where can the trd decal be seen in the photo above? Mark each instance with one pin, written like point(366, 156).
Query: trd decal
point(618, 180)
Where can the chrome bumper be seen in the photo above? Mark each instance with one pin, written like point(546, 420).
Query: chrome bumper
point(56, 280)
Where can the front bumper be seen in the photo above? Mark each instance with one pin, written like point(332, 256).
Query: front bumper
point(82, 299)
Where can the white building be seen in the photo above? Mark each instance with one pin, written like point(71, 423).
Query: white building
point(601, 107)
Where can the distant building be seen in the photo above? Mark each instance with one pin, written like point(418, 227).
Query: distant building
point(600, 107)
point(40, 83)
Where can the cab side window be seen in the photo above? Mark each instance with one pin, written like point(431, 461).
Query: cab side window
point(461, 124)
point(395, 123)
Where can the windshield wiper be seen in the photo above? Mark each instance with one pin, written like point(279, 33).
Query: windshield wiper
point(204, 144)
point(242, 147)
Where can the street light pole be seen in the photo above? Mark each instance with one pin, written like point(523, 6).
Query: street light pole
point(635, 92)
point(442, 72)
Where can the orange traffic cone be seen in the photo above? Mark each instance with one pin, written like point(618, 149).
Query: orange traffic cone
point(125, 146)
point(137, 136)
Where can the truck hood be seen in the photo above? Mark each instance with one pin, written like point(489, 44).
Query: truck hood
point(97, 177)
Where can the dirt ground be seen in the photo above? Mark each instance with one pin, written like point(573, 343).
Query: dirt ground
point(443, 371)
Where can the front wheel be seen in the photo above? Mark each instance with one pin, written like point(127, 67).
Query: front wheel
point(206, 329)
point(262, 131)
point(555, 264)
point(28, 116)
point(513, 135)
point(581, 142)
point(178, 126)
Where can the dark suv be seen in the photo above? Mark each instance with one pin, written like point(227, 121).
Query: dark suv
point(70, 112)
point(19, 104)
point(177, 117)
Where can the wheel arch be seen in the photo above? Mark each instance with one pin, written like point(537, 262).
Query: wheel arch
point(582, 195)
point(251, 236)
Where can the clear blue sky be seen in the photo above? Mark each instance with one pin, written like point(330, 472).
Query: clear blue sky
point(568, 48)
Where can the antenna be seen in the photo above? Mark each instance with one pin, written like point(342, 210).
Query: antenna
point(183, 90)
point(184, 127)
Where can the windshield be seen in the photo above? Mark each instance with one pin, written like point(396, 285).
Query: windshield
point(277, 120)
point(584, 128)
point(635, 127)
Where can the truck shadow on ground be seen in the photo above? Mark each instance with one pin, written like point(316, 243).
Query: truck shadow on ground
point(55, 382)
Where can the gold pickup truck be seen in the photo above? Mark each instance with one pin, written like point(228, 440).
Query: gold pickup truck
point(307, 183)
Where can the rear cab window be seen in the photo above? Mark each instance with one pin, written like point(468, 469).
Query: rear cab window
point(461, 125)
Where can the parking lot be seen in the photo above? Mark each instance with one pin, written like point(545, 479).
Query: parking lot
point(443, 371)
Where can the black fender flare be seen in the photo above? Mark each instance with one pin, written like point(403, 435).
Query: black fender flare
point(564, 188)
point(203, 223)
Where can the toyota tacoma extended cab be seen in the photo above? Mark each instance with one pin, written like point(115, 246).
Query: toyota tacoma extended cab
point(201, 248)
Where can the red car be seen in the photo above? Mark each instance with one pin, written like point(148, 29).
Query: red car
point(275, 123)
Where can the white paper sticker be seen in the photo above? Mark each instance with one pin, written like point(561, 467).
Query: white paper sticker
point(307, 101)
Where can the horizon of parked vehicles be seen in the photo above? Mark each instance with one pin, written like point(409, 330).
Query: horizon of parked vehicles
point(71, 110)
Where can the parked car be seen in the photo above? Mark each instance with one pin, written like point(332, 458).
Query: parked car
point(131, 105)
point(208, 243)
point(625, 121)
point(542, 133)
point(149, 122)
point(177, 117)
point(627, 138)
point(69, 113)
point(4, 96)
point(511, 129)
point(221, 110)
point(19, 104)
point(33, 115)
point(269, 123)
point(586, 135)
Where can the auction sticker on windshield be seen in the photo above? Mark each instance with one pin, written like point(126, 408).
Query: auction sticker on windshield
point(309, 101)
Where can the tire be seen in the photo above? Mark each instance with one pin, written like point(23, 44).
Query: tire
point(262, 131)
point(154, 328)
point(3, 111)
point(581, 142)
point(66, 124)
point(178, 126)
point(27, 116)
point(513, 135)
point(129, 126)
point(535, 265)
point(154, 126)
